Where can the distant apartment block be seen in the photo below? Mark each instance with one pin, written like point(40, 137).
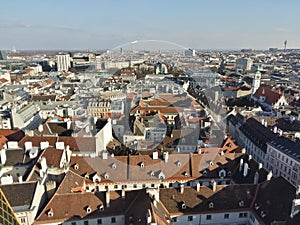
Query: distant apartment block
point(63, 62)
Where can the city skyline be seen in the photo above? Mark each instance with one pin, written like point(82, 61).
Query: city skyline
point(35, 25)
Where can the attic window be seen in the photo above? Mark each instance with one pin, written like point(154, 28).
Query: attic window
point(161, 176)
point(241, 203)
point(183, 206)
point(211, 205)
point(50, 212)
point(222, 173)
point(76, 166)
point(88, 209)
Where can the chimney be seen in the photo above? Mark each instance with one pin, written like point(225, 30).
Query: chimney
point(3, 156)
point(298, 190)
point(154, 202)
point(107, 197)
point(198, 186)
point(166, 157)
point(181, 188)
point(246, 168)
point(269, 176)
point(44, 164)
point(250, 157)
point(214, 185)
point(295, 207)
point(41, 128)
point(256, 177)
point(123, 193)
point(241, 165)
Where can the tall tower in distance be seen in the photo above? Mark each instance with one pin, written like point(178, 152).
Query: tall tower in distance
point(285, 43)
point(256, 81)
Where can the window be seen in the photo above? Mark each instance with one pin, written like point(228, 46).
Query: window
point(152, 185)
point(99, 221)
point(190, 218)
point(226, 216)
point(252, 218)
point(23, 220)
point(116, 187)
point(174, 219)
point(86, 222)
point(113, 220)
point(134, 186)
point(243, 215)
point(208, 217)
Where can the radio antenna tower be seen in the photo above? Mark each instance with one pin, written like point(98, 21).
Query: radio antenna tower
point(285, 43)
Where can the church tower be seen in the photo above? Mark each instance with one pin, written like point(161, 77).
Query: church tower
point(256, 81)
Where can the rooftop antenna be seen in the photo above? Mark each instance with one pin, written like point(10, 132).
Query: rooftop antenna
point(285, 43)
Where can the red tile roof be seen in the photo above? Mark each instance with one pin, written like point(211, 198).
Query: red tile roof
point(271, 96)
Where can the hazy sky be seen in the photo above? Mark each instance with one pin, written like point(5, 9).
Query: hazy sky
point(104, 24)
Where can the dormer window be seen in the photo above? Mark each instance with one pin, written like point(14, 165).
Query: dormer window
point(152, 174)
point(178, 163)
point(211, 205)
point(142, 165)
point(113, 166)
point(106, 176)
point(87, 176)
point(183, 206)
point(222, 173)
point(76, 166)
point(101, 208)
point(204, 172)
point(50, 212)
point(262, 98)
point(241, 203)
point(161, 176)
point(211, 163)
point(88, 209)
point(185, 174)
point(229, 173)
